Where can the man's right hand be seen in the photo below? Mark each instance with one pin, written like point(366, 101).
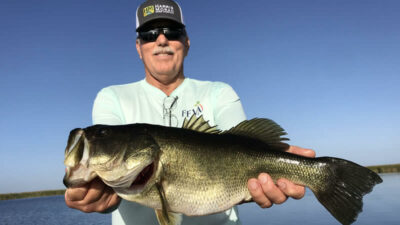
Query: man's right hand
point(92, 197)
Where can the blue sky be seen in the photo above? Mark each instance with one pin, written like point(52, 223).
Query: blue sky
point(326, 71)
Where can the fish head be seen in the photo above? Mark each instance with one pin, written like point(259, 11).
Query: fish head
point(123, 157)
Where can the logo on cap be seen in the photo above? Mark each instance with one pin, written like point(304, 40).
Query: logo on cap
point(148, 10)
point(165, 9)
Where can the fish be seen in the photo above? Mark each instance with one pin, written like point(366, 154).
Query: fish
point(200, 170)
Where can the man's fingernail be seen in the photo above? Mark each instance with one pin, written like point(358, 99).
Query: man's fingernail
point(282, 185)
point(253, 185)
point(67, 196)
point(263, 179)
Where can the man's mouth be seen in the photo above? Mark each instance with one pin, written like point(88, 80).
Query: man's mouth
point(164, 53)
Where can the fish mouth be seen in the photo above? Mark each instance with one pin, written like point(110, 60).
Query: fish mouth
point(143, 177)
point(77, 172)
point(139, 183)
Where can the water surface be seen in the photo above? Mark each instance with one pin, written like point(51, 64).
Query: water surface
point(46, 210)
point(380, 207)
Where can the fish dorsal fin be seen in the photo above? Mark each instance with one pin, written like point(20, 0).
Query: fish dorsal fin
point(200, 125)
point(262, 129)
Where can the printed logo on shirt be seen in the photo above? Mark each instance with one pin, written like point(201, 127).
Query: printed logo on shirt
point(196, 110)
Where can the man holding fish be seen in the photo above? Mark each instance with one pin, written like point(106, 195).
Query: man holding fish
point(166, 97)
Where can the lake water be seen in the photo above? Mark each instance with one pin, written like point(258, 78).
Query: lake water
point(382, 206)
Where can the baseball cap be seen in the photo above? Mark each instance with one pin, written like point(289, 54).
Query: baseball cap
point(152, 10)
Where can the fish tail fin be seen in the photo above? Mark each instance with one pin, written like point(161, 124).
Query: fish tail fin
point(346, 186)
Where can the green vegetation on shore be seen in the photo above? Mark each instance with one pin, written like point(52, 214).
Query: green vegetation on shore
point(392, 168)
point(31, 194)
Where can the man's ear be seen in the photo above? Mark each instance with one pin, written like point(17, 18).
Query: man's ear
point(187, 45)
point(138, 48)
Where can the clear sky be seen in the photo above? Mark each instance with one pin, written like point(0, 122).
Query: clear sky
point(327, 71)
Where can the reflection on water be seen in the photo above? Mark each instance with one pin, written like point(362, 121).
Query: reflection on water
point(381, 206)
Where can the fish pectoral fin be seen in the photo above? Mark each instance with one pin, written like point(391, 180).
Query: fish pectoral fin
point(168, 218)
point(164, 216)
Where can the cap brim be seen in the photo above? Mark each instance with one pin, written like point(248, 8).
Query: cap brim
point(148, 23)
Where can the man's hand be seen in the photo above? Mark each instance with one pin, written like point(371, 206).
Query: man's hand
point(92, 197)
point(266, 193)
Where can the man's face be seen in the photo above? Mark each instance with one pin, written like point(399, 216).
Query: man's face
point(163, 58)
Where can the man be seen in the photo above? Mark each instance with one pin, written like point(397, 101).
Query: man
point(166, 97)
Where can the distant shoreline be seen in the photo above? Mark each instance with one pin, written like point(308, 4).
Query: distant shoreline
point(392, 168)
point(33, 194)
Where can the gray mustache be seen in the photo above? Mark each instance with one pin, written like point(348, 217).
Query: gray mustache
point(163, 50)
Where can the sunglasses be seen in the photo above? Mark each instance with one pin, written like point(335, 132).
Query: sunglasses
point(171, 34)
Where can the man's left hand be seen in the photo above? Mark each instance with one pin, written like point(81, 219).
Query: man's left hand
point(265, 192)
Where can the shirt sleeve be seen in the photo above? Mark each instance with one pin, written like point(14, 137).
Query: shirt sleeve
point(228, 108)
point(107, 109)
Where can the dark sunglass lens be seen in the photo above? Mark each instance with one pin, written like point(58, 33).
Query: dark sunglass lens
point(172, 34)
point(150, 35)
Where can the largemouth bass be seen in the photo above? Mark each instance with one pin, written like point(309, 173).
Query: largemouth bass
point(198, 170)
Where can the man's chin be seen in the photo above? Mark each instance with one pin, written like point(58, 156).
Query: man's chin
point(165, 76)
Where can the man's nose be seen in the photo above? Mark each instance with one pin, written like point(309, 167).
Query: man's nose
point(162, 40)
